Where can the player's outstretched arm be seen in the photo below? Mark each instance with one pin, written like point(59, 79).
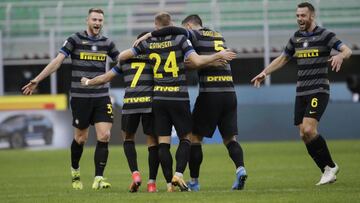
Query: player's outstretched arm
point(55, 64)
point(98, 80)
point(217, 63)
point(126, 54)
point(144, 37)
point(199, 61)
point(276, 64)
point(337, 60)
point(170, 30)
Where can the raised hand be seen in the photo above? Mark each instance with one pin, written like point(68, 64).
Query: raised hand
point(30, 87)
point(227, 54)
point(336, 62)
point(258, 79)
point(219, 63)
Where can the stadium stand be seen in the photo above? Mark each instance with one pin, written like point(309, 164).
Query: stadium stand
point(22, 20)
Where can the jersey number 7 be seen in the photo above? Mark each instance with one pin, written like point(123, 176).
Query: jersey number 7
point(140, 67)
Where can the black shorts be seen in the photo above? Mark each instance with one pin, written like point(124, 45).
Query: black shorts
point(88, 111)
point(168, 113)
point(215, 109)
point(311, 106)
point(130, 123)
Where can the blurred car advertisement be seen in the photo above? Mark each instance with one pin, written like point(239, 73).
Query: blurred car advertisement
point(35, 128)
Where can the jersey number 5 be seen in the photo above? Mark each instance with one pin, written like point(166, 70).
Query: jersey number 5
point(218, 45)
point(169, 67)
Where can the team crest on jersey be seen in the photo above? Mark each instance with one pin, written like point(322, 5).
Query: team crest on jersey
point(94, 48)
point(305, 44)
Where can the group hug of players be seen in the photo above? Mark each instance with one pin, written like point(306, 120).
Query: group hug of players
point(156, 93)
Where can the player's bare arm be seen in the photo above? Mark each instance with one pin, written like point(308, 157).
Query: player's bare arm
point(276, 64)
point(145, 37)
point(200, 60)
point(217, 63)
point(336, 60)
point(126, 54)
point(98, 80)
point(50, 68)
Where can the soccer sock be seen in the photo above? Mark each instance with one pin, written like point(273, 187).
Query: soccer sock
point(100, 158)
point(76, 152)
point(182, 155)
point(166, 161)
point(236, 153)
point(196, 157)
point(322, 152)
point(131, 156)
point(312, 147)
point(153, 161)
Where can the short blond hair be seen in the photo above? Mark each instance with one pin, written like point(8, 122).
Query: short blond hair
point(163, 19)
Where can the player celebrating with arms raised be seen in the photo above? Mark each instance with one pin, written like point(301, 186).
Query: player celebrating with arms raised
point(90, 105)
point(311, 46)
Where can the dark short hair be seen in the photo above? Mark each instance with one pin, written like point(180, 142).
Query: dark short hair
point(194, 18)
point(96, 10)
point(307, 5)
point(163, 18)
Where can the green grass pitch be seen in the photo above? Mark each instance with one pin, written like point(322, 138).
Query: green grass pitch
point(278, 172)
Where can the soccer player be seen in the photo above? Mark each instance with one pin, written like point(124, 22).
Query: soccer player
point(90, 105)
point(311, 46)
point(138, 77)
point(217, 93)
point(171, 99)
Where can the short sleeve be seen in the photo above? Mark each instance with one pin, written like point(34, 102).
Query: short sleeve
point(68, 46)
point(186, 46)
point(333, 42)
point(113, 51)
point(289, 50)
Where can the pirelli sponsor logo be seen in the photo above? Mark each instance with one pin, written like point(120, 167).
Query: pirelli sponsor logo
point(166, 88)
point(310, 53)
point(219, 79)
point(92, 56)
point(160, 45)
point(136, 100)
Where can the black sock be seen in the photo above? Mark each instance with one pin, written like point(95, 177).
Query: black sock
point(319, 151)
point(166, 161)
point(100, 158)
point(196, 157)
point(153, 161)
point(76, 152)
point(131, 156)
point(182, 155)
point(236, 153)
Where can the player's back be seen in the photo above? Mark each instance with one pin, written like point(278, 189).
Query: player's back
point(138, 78)
point(167, 54)
point(219, 79)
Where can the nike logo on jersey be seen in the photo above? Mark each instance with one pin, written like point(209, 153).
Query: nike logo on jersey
point(85, 42)
point(299, 39)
